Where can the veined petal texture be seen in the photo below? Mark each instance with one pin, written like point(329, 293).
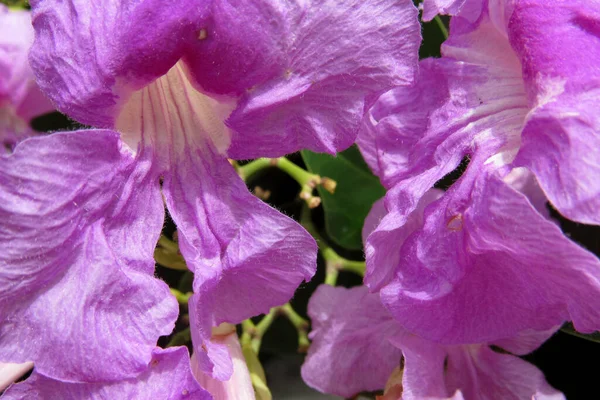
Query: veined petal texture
point(246, 256)
point(483, 105)
point(168, 376)
point(357, 344)
point(81, 217)
point(299, 71)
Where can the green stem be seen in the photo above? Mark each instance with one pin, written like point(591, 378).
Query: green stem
point(299, 323)
point(441, 25)
point(261, 328)
point(168, 244)
point(169, 260)
point(182, 298)
point(307, 181)
point(248, 329)
point(333, 261)
point(180, 338)
point(245, 171)
point(300, 175)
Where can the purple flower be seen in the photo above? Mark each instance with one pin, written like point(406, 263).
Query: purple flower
point(186, 85)
point(484, 262)
point(357, 345)
point(168, 377)
point(80, 219)
point(20, 98)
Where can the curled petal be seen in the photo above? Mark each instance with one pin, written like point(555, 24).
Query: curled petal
point(484, 235)
point(234, 243)
point(80, 222)
point(239, 385)
point(381, 249)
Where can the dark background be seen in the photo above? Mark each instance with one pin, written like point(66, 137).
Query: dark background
point(570, 363)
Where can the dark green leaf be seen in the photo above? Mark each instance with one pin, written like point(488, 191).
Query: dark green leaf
point(568, 328)
point(357, 190)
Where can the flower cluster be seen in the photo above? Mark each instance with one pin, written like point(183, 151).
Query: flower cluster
point(481, 264)
point(458, 282)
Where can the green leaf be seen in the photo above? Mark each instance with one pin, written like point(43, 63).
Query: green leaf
point(357, 189)
point(593, 337)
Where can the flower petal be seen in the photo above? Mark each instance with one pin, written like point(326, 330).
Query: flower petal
point(246, 256)
point(423, 369)
point(563, 89)
point(332, 56)
point(80, 222)
point(480, 106)
point(486, 266)
point(382, 249)
point(481, 373)
point(239, 386)
point(112, 49)
point(398, 120)
point(168, 376)
point(431, 8)
point(526, 342)
point(350, 351)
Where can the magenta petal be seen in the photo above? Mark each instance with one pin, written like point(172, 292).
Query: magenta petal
point(247, 257)
point(112, 48)
point(486, 266)
point(557, 143)
point(350, 351)
point(525, 342)
point(332, 56)
point(563, 90)
point(80, 218)
point(481, 373)
point(168, 376)
point(390, 134)
point(423, 369)
point(431, 8)
point(381, 249)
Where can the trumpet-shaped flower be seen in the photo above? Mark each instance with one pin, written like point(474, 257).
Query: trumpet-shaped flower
point(357, 345)
point(20, 98)
point(483, 261)
point(186, 85)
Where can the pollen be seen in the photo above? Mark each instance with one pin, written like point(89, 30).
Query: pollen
point(202, 34)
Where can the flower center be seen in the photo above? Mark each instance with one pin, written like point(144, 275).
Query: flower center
point(171, 116)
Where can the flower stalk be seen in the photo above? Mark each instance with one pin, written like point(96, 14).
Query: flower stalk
point(182, 298)
point(307, 180)
point(334, 263)
point(253, 333)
